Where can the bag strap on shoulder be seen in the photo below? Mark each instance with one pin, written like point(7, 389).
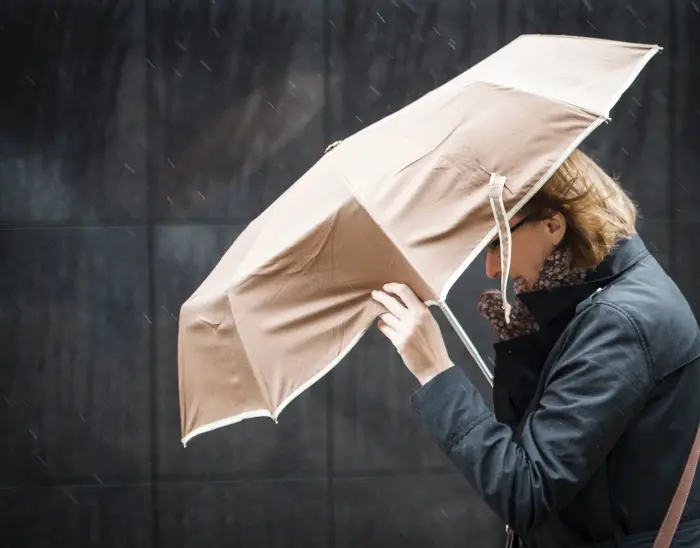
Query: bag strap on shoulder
point(675, 510)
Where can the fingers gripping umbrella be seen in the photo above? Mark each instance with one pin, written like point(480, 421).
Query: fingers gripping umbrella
point(413, 198)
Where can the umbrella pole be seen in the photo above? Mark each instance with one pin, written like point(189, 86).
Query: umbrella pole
point(467, 342)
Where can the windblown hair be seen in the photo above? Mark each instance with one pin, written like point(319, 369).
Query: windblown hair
point(597, 210)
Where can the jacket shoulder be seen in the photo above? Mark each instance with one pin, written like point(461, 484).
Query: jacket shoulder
point(659, 312)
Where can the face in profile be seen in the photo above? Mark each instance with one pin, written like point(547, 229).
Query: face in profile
point(533, 241)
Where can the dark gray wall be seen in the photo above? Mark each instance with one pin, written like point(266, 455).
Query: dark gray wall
point(136, 140)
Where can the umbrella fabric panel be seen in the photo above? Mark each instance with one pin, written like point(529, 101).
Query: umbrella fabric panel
point(433, 200)
point(588, 72)
point(216, 379)
point(295, 276)
point(313, 301)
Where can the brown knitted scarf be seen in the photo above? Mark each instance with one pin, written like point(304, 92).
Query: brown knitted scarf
point(556, 271)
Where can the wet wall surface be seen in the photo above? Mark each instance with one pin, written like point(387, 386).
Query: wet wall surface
point(137, 139)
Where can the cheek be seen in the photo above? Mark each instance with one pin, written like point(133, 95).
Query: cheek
point(518, 264)
point(528, 257)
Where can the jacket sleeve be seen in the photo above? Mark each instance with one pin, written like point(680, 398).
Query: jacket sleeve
point(596, 386)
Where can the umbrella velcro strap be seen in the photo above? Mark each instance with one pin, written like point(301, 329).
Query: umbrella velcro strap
point(496, 185)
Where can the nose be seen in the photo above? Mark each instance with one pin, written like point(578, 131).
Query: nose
point(493, 266)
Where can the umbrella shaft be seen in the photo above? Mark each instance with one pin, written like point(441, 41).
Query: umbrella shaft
point(467, 342)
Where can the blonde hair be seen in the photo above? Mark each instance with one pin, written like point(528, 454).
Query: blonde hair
point(597, 210)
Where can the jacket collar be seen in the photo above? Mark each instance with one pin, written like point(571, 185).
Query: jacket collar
point(547, 304)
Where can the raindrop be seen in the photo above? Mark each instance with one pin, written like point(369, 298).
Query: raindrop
point(660, 97)
point(696, 7)
point(437, 31)
point(33, 434)
point(273, 106)
point(171, 162)
point(168, 311)
point(590, 24)
point(332, 23)
point(32, 82)
point(625, 151)
point(375, 91)
point(379, 15)
point(169, 200)
point(216, 32)
point(360, 119)
point(65, 491)
point(201, 195)
point(149, 321)
point(149, 62)
point(205, 65)
point(587, 3)
point(177, 72)
point(55, 14)
point(180, 45)
point(131, 169)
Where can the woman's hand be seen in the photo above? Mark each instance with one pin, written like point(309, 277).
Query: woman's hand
point(411, 328)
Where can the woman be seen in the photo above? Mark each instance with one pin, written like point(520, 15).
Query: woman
point(596, 401)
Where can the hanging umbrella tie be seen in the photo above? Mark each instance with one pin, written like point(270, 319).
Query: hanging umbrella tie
point(496, 185)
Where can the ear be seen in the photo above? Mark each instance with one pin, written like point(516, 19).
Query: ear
point(556, 226)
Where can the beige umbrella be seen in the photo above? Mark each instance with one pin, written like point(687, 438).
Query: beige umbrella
point(412, 199)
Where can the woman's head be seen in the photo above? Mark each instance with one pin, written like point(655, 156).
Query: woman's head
point(580, 208)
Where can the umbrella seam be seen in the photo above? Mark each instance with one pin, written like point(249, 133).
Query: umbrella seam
point(384, 230)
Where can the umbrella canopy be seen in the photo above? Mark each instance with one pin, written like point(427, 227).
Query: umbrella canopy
point(412, 199)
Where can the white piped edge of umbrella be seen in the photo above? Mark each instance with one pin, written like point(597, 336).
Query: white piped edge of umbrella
point(448, 285)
